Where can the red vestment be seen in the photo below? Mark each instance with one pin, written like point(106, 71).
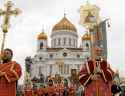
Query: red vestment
point(59, 89)
point(9, 79)
point(101, 86)
point(50, 90)
point(40, 92)
point(28, 92)
point(72, 90)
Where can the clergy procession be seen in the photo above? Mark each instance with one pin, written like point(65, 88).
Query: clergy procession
point(52, 76)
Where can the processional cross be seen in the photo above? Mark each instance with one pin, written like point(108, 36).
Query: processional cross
point(6, 18)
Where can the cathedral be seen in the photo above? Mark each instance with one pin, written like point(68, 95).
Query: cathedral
point(64, 56)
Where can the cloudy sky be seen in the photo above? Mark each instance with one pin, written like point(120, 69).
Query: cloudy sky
point(38, 13)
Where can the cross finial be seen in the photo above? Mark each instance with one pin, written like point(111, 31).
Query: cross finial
point(7, 13)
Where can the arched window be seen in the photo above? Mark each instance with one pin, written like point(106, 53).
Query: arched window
point(41, 45)
point(69, 41)
point(67, 69)
point(74, 42)
point(87, 45)
point(64, 41)
point(59, 41)
point(40, 70)
point(54, 42)
point(51, 68)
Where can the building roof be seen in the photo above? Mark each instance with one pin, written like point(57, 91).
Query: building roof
point(64, 24)
point(86, 37)
point(42, 35)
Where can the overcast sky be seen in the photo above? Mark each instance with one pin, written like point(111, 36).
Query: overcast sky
point(24, 28)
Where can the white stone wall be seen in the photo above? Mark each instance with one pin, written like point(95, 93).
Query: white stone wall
point(70, 60)
point(61, 35)
point(48, 64)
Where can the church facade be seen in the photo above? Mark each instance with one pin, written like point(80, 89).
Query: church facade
point(64, 54)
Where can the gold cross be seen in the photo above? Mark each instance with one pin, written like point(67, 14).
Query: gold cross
point(7, 13)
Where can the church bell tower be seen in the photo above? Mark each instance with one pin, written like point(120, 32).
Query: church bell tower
point(42, 41)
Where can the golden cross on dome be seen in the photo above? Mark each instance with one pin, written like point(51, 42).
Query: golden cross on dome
point(6, 15)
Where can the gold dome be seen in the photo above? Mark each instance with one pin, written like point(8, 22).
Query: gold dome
point(64, 24)
point(42, 35)
point(86, 36)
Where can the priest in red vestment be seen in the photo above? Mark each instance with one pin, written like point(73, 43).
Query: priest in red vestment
point(96, 76)
point(59, 89)
point(10, 72)
point(50, 89)
point(28, 91)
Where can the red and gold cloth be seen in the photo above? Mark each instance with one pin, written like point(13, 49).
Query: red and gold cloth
point(8, 81)
point(50, 90)
point(101, 86)
point(28, 92)
point(40, 92)
point(59, 89)
point(72, 90)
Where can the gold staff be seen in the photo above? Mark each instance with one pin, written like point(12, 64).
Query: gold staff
point(6, 17)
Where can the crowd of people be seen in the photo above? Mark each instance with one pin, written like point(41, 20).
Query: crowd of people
point(60, 88)
point(96, 77)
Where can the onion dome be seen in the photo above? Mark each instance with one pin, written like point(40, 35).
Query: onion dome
point(86, 37)
point(42, 35)
point(64, 24)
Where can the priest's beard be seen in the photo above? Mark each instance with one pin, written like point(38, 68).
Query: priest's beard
point(6, 59)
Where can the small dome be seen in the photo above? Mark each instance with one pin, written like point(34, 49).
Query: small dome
point(42, 35)
point(64, 24)
point(86, 37)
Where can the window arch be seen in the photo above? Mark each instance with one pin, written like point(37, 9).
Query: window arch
point(59, 40)
point(41, 45)
point(69, 41)
point(54, 42)
point(87, 45)
point(64, 41)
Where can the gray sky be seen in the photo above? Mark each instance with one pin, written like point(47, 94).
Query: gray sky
point(37, 13)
